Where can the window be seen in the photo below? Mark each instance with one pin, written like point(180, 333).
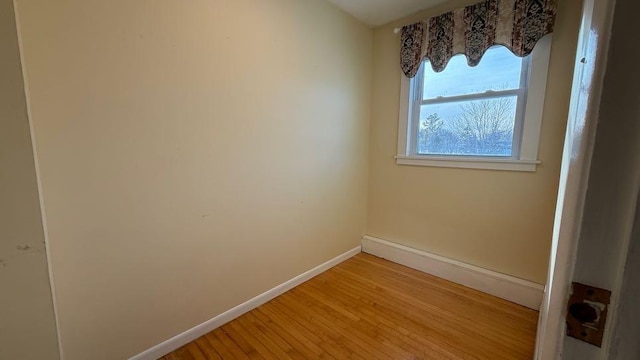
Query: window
point(486, 117)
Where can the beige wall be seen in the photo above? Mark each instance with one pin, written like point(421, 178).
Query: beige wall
point(497, 220)
point(193, 154)
point(27, 325)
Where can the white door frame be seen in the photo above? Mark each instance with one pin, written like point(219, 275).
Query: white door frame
point(589, 72)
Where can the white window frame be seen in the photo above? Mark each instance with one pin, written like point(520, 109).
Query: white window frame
point(526, 132)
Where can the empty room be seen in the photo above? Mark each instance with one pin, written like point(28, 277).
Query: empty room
point(317, 179)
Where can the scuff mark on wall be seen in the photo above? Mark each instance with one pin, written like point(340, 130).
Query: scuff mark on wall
point(22, 250)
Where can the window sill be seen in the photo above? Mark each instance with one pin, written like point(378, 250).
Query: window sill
point(483, 163)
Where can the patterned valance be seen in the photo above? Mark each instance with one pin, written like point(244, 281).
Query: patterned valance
point(516, 24)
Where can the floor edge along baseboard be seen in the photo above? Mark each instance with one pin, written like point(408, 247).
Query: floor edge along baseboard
point(519, 291)
point(212, 324)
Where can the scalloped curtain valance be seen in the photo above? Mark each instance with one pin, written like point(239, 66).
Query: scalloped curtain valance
point(516, 24)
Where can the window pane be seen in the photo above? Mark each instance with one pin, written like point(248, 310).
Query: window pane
point(478, 127)
point(498, 70)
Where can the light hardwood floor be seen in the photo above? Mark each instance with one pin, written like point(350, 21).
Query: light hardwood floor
point(370, 308)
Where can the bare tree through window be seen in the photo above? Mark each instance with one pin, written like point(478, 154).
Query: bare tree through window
point(479, 127)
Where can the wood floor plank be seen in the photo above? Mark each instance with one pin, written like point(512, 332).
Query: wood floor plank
point(370, 308)
point(250, 345)
point(231, 331)
point(257, 338)
point(436, 324)
point(389, 330)
point(439, 287)
point(271, 333)
point(368, 336)
point(218, 335)
point(349, 336)
point(405, 324)
point(172, 356)
point(207, 349)
point(440, 312)
point(196, 352)
point(305, 348)
point(183, 354)
point(322, 328)
point(438, 317)
point(329, 340)
point(310, 336)
point(440, 341)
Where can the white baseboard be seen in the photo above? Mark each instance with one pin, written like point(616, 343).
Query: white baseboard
point(523, 292)
point(212, 324)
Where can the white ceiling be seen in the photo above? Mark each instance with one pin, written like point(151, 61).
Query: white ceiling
point(379, 12)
